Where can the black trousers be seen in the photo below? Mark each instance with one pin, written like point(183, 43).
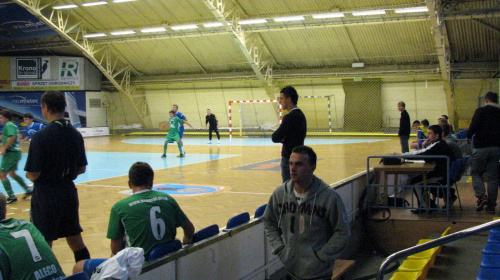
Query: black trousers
point(210, 129)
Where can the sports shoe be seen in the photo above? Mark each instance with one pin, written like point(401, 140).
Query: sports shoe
point(11, 199)
point(209, 142)
point(490, 209)
point(482, 202)
point(28, 193)
point(164, 156)
point(181, 155)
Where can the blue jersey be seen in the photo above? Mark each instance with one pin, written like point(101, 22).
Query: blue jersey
point(182, 117)
point(34, 127)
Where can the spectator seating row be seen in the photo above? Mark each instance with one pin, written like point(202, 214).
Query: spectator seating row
point(490, 264)
point(416, 266)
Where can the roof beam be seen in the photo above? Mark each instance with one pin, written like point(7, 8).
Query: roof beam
point(252, 53)
point(106, 64)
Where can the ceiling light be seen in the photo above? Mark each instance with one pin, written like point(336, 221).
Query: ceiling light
point(93, 35)
point(153, 29)
point(253, 21)
point(123, 32)
point(120, 1)
point(64, 7)
point(213, 24)
point(412, 10)
point(329, 15)
point(294, 18)
point(182, 27)
point(369, 13)
point(358, 65)
point(94, 3)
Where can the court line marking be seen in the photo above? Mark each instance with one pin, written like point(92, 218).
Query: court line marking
point(249, 193)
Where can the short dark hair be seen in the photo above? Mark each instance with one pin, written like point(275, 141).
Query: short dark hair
point(305, 150)
point(171, 112)
point(401, 103)
point(55, 101)
point(445, 117)
point(290, 91)
point(175, 105)
point(141, 175)
point(436, 129)
point(425, 122)
point(6, 114)
point(416, 122)
point(492, 96)
point(28, 115)
point(3, 206)
point(445, 126)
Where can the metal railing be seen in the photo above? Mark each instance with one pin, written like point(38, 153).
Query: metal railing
point(434, 243)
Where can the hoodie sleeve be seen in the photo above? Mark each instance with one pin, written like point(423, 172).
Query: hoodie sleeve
point(341, 232)
point(271, 219)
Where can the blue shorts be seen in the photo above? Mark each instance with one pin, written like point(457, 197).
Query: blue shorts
point(181, 131)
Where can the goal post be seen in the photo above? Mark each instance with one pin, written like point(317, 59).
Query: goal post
point(318, 114)
point(255, 119)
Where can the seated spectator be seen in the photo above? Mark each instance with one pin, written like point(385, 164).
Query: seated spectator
point(445, 117)
point(434, 146)
point(24, 253)
point(452, 142)
point(147, 218)
point(421, 135)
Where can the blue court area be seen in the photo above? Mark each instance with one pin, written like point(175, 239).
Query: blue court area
point(249, 141)
point(103, 165)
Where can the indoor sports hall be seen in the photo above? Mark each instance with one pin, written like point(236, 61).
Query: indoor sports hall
point(123, 65)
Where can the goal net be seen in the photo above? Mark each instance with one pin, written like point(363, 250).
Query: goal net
point(317, 110)
point(254, 118)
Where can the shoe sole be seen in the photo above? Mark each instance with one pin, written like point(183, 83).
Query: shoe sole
point(481, 205)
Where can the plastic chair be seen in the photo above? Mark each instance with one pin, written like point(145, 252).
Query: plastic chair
point(164, 249)
point(491, 261)
point(445, 232)
point(494, 236)
point(205, 233)
point(492, 248)
point(488, 273)
point(409, 265)
point(260, 211)
point(455, 176)
point(462, 134)
point(406, 275)
point(238, 220)
point(77, 276)
point(91, 264)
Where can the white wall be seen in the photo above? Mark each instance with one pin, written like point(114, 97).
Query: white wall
point(96, 116)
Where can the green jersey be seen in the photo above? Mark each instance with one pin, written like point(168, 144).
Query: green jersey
point(175, 124)
point(24, 253)
point(10, 129)
point(146, 219)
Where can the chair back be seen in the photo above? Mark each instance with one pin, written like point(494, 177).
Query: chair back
point(445, 232)
point(462, 134)
point(164, 249)
point(260, 211)
point(454, 171)
point(205, 233)
point(238, 220)
point(91, 264)
point(77, 276)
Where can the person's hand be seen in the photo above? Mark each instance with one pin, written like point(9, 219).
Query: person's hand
point(2, 151)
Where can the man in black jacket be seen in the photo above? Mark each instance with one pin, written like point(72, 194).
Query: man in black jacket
point(404, 127)
point(292, 130)
point(484, 131)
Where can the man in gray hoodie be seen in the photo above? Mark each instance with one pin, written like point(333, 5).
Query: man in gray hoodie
point(305, 221)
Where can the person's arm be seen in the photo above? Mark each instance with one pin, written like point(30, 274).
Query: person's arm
point(341, 233)
point(116, 246)
point(206, 122)
point(280, 134)
point(9, 143)
point(81, 170)
point(474, 124)
point(188, 229)
point(164, 125)
point(32, 176)
point(271, 219)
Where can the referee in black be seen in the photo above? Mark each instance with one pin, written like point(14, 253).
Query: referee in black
point(213, 125)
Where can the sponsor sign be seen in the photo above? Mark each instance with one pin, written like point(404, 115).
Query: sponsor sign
point(28, 68)
point(46, 85)
point(69, 69)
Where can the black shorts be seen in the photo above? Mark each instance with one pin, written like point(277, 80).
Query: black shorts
point(56, 215)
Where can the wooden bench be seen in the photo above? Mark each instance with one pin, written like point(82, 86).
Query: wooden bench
point(341, 267)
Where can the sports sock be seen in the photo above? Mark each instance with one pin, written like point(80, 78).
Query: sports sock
point(181, 149)
point(21, 182)
point(8, 188)
point(165, 147)
point(82, 254)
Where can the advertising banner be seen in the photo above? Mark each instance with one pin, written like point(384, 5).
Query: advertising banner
point(17, 23)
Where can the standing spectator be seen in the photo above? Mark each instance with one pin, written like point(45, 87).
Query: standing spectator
point(56, 157)
point(11, 155)
point(484, 131)
point(181, 116)
point(213, 125)
point(404, 127)
point(31, 126)
point(305, 221)
point(24, 254)
point(173, 134)
point(292, 130)
point(147, 218)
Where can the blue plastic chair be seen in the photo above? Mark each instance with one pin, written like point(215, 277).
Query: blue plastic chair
point(488, 273)
point(492, 248)
point(205, 233)
point(494, 236)
point(260, 211)
point(462, 134)
point(238, 220)
point(77, 276)
point(91, 264)
point(491, 261)
point(164, 249)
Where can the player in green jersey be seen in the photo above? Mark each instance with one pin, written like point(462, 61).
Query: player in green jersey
point(173, 134)
point(24, 253)
point(11, 153)
point(147, 218)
